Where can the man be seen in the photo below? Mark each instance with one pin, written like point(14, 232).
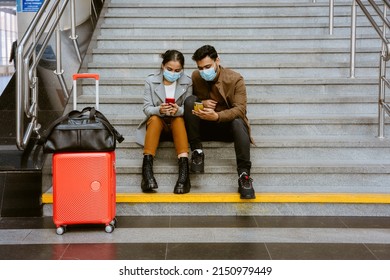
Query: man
point(222, 93)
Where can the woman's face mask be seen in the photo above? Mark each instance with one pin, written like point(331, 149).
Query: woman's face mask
point(172, 76)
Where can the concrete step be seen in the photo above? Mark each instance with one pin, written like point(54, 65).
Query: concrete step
point(269, 176)
point(226, 42)
point(236, 18)
point(115, 56)
point(284, 176)
point(230, 30)
point(244, 19)
point(258, 9)
point(282, 125)
point(262, 104)
point(336, 164)
point(227, 9)
point(248, 70)
point(279, 148)
point(268, 204)
point(308, 86)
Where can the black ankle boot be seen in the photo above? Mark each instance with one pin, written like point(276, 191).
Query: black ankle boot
point(183, 184)
point(148, 181)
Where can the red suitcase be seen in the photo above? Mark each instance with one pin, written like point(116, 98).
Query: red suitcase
point(84, 189)
point(84, 184)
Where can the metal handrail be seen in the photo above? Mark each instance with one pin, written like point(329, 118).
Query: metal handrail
point(372, 20)
point(331, 16)
point(27, 63)
point(383, 107)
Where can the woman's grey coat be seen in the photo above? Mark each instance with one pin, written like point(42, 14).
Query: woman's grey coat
point(154, 95)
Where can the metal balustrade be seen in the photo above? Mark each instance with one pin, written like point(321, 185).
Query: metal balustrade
point(44, 24)
point(377, 13)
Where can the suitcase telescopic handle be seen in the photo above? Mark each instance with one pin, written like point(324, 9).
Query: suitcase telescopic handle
point(85, 76)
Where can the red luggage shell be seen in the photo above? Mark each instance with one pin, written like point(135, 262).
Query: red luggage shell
point(84, 188)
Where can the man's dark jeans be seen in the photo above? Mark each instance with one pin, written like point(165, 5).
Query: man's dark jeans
point(199, 130)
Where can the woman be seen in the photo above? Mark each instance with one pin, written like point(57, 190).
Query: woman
point(164, 97)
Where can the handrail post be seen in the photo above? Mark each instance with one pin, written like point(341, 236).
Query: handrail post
point(331, 16)
point(381, 110)
point(59, 71)
point(382, 86)
point(73, 36)
point(19, 96)
point(353, 41)
point(31, 78)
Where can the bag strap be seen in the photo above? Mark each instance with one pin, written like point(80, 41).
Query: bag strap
point(47, 132)
point(98, 114)
point(93, 113)
point(91, 110)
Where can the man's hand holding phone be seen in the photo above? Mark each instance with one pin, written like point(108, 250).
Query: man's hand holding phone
point(205, 113)
point(198, 106)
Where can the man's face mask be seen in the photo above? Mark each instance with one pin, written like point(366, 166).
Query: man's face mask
point(208, 74)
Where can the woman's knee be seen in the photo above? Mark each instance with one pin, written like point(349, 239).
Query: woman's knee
point(154, 120)
point(178, 128)
point(179, 121)
point(154, 125)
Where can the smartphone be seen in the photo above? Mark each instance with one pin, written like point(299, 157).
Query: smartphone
point(198, 106)
point(170, 100)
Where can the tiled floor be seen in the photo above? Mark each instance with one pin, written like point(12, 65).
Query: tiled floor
point(200, 238)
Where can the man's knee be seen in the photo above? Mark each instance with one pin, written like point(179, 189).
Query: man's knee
point(238, 125)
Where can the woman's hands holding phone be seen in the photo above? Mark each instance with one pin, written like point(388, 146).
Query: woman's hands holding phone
point(169, 109)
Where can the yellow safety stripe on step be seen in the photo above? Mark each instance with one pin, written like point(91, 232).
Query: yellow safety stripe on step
point(363, 198)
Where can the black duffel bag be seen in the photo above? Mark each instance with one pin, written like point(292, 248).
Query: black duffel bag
point(85, 131)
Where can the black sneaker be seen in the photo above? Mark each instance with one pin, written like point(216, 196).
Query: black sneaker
point(197, 162)
point(245, 187)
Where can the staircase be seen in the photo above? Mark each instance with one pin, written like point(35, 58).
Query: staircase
point(315, 128)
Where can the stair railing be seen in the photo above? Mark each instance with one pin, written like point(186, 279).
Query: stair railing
point(331, 16)
point(40, 30)
point(383, 107)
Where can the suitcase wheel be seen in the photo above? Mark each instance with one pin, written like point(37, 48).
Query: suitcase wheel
point(109, 228)
point(61, 230)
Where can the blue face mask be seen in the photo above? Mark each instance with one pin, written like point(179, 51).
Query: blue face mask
point(172, 76)
point(208, 74)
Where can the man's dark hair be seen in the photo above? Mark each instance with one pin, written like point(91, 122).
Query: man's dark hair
point(205, 51)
